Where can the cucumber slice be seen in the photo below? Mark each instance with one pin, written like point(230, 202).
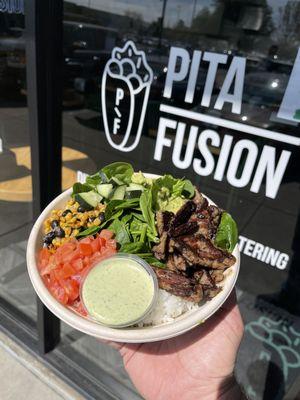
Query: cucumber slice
point(133, 194)
point(119, 193)
point(134, 186)
point(88, 200)
point(116, 182)
point(103, 177)
point(105, 189)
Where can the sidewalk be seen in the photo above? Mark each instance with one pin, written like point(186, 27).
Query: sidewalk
point(22, 377)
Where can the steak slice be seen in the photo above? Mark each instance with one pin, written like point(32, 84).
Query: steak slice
point(200, 200)
point(179, 285)
point(205, 227)
point(215, 217)
point(179, 262)
point(185, 229)
point(176, 262)
point(183, 214)
point(197, 250)
point(204, 278)
point(163, 220)
point(217, 275)
point(171, 263)
point(160, 250)
point(211, 293)
point(160, 222)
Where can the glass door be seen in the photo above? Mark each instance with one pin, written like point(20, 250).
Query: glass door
point(221, 109)
point(15, 162)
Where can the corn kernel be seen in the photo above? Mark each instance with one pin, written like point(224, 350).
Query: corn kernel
point(96, 222)
point(68, 217)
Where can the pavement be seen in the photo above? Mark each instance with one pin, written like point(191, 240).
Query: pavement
point(22, 377)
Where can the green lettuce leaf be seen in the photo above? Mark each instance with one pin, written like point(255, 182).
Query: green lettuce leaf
point(227, 233)
point(153, 261)
point(89, 231)
point(80, 188)
point(119, 228)
point(188, 189)
point(146, 208)
point(120, 170)
point(169, 188)
point(133, 248)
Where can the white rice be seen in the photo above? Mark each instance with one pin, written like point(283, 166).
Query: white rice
point(168, 308)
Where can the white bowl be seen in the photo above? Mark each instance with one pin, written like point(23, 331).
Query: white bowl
point(182, 324)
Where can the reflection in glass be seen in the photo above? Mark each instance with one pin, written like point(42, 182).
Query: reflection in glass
point(267, 34)
point(15, 161)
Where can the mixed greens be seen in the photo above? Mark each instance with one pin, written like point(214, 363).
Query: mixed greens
point(131, 203)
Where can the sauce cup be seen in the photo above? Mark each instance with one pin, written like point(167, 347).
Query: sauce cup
point(137, 264)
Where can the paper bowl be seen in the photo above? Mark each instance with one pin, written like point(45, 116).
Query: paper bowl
point(181, 324)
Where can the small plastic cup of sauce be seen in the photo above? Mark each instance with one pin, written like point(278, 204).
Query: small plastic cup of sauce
point(119, 291)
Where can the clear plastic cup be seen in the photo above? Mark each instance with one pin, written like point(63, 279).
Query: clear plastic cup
point(141, 264)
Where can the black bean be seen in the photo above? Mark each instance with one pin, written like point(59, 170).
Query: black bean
point(91, 219)
point(54, 224)
point(66, 212)
point(80, 209)
point(59, 232)
point(49, 237)
point(102, 216)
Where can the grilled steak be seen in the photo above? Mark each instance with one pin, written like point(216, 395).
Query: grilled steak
point(215, 217)
point(217, 275)
point(211, 293)
point(179, 262)
point(163, 221)
point(197, 250)
point(179, 285)
point(199, 200)
point(183, 214)
point(185, 229)
point(205, 279)
point(194, 265)
point(160, 250)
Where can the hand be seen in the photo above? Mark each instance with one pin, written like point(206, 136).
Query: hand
point(195, 366)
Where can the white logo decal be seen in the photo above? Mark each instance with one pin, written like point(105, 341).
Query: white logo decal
point(290, 106)
point(125, 89)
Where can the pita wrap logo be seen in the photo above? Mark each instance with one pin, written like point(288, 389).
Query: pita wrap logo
point(125, 90)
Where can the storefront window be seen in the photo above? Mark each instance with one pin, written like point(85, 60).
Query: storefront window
point(222, 110)
point(15, 162)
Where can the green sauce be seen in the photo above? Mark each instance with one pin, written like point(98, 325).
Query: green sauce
point(117, 291)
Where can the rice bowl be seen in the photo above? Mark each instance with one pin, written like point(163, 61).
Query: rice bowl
point(171, 317)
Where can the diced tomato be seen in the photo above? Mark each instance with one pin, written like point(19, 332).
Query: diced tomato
point(43, 258)
point(65, 253)
point(59, 293)
point(102, 241)
point(78, 307)
point(95, 245)
point(106, 234)
point(48, 267)
point(85, 249)
point(111, 243)
point(78, 264)
point(108, 252)
point(86, 261)
point(87, 239)
point(65, 272)
point(96, 257)
point(53, 277)
point(71, 288)
point(77, 278)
